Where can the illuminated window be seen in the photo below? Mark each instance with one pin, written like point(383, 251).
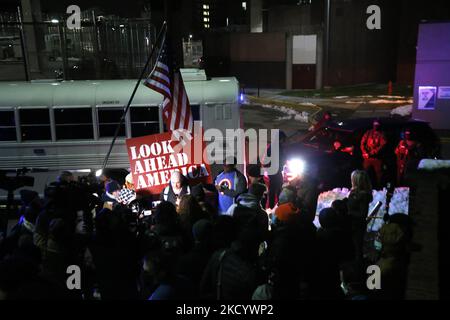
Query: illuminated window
point(206, 25)
point(206, 6)
point(206, 13)
point(205, 19)
point(244, 5)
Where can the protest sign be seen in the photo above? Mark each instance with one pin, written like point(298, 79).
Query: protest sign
point(153, 158)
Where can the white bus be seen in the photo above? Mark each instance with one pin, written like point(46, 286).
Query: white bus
point(69, 125)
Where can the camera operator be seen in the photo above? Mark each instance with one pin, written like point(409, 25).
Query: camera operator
point(66, 177)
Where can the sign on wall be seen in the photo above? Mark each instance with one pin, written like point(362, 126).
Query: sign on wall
point(304, 49)
point(444, 93)
point(427, 98)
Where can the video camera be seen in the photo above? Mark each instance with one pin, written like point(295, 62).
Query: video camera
point(11, 183)
point(82, 193)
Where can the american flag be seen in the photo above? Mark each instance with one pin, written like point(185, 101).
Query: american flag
point(176, 108)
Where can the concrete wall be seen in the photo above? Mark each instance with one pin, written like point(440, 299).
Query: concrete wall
point(256, 16)
point(260, 74)
point(271, 47)
point(433, 69)
point(295, 19)
point(412, 14)
point(357, 54)
point(233, 54)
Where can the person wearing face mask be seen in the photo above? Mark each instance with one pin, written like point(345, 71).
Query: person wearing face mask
point(177, 187)
point(372, 145)
point(408, 155)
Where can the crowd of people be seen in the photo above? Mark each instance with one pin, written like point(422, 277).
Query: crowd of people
point(199, 242)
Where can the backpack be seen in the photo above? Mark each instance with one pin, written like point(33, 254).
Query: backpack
point(236, 278)
point(244, 216)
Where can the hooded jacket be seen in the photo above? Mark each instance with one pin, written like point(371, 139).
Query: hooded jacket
point(246, 211)
point(247, 200)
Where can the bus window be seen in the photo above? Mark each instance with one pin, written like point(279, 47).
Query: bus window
point(223, 112)
point(73, 123)
point(219, 112)
point(108, 119)
point(144, 121)
point(7, 126)
point(35, 124)
point(226, 112)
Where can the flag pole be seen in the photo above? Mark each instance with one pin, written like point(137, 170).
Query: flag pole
point(122, 119)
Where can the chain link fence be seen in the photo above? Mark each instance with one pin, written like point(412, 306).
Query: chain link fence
point(102, 48)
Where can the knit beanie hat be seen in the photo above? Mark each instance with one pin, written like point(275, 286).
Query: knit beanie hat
point(284, 211)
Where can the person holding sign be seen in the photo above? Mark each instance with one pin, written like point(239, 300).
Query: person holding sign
point(177, 187)
point(229, 184)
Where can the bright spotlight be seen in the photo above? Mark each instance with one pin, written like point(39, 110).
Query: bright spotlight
point(55, 21)
point(98, 173)
point(296, 168)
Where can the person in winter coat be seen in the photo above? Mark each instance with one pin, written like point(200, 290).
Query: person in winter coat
point(233, 274)
point(248, 208)
point(229, 183)
point(372, 146)
point(177, 187)
point(358, 208)
point(408, 154)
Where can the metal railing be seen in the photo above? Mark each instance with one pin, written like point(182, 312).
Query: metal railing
point(100, 49)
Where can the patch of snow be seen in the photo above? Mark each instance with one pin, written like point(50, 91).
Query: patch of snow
point(354, 102)
point(365, 96)
point(290, 113)
point(391, 97)
point(399, 204)
point(340, 97)
point(308, 104)
point(303, 117)
point(403, 111)
point(399, 201)
point(383, 101)
point(245, 101)
point(283, 118)
point(433, 164)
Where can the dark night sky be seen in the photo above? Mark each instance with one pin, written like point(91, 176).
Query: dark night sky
point(128, 8)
